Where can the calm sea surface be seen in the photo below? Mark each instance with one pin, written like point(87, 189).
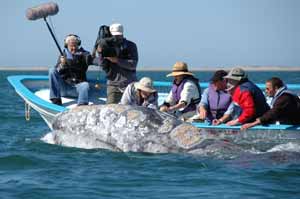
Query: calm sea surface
point(30, 168)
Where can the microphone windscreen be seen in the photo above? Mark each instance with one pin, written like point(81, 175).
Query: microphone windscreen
point(42, 11)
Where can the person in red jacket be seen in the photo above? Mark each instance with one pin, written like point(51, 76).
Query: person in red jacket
point(285, 105)
point(246, 95)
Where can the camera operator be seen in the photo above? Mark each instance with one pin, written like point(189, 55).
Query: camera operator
point(118, 58)
point(68, 77)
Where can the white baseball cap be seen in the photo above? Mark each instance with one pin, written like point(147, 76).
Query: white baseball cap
point(116, 29)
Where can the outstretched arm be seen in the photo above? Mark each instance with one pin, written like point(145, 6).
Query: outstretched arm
point(251, 124)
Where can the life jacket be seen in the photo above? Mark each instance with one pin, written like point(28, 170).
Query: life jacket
point(261, 105)
point(218, 102)
point(177, 89)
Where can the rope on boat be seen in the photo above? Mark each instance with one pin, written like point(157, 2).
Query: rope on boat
point(27, 111)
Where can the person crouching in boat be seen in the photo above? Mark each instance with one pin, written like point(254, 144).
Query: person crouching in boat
point(68, 77)
point(141, 93)
point(248, 98)
point(285, 105)
point(185, 94)
point(215, 106)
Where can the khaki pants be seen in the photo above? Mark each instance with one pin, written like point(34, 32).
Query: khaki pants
point(114, 95)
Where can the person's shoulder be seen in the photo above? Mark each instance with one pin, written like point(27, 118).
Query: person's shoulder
point(83, 50)
point(287, 96)
point(190, 82)
point(129, 42)
point(131, 86)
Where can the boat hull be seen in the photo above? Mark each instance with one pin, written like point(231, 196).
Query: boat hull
point(24, 86)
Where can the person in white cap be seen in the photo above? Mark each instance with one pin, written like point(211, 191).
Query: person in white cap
point(141, 93)
point(118, 58)
point(185, 93)
point(249, 99)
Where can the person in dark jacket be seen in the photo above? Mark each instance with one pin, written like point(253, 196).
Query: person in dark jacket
point(215, 106)
point(246, 96)
point(120, 66)
point(68, 77)
point(285, 105)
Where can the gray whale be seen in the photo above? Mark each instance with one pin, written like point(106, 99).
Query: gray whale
point(126, 128)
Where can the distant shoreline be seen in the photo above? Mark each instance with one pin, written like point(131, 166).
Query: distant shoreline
point(206, 68)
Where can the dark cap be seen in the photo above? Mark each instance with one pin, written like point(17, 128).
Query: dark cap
point(218, 76)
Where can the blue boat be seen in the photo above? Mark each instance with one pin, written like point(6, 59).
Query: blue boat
point(34, 91)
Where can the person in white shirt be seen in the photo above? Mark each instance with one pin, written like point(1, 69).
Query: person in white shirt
point(185, 93)
point(141, 93)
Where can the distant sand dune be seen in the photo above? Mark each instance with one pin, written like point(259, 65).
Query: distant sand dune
point(165, 68)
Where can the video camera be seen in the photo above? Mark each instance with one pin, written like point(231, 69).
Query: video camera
point(110, 45)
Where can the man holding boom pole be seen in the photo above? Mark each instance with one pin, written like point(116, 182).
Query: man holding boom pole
point(68, 77)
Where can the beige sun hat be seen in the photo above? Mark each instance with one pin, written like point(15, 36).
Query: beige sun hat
point(236, 74)
point(180, 68)
point(145, 84)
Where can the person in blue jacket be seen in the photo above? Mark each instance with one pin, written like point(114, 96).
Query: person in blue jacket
point(215, 106)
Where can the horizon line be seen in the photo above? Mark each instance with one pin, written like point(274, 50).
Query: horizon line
point(203, 68)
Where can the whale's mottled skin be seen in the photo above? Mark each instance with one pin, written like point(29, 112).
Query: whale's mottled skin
point(125, 128)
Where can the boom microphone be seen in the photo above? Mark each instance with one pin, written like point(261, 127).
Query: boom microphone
point(42, 11)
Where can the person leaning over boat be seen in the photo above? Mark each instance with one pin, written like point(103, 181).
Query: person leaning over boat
point(141, 93)
point(246, 96)
point(215, 106)
point(185, 93)
point(285, 105)
point(68, 77)
point(118, 58)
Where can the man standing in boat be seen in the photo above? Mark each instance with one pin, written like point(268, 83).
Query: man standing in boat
point(285, 105)
point(118, 58)
point(68, 77)
point(185, 94)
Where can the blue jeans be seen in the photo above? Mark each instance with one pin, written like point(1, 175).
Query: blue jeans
point(59, 88)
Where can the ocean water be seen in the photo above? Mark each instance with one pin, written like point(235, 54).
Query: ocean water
point(30, 168)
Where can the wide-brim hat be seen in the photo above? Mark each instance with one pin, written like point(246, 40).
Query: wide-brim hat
point(236, 74)
point(145, 84)
point(180, 68)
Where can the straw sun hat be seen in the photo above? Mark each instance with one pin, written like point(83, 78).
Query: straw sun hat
point(145, 84)
point(180, 68)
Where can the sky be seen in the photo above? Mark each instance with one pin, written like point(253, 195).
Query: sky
point(203, 33)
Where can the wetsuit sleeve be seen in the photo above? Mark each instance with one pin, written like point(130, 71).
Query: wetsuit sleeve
point(247, 105)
